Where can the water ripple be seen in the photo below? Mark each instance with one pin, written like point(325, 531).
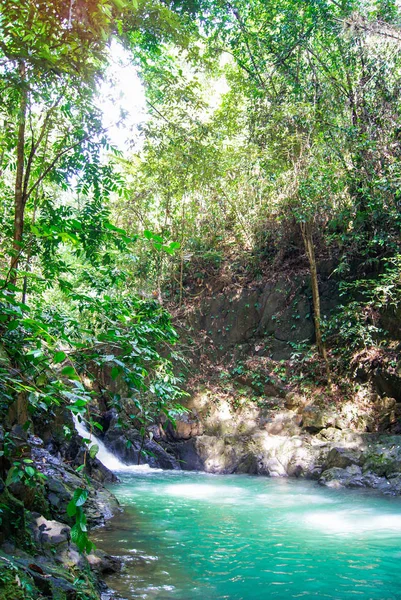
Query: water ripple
point(191, 536)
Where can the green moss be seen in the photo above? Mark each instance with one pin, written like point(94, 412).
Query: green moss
point(13, 524)
point(15, 584)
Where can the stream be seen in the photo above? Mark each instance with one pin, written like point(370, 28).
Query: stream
point(196, 536)
point(192, 536)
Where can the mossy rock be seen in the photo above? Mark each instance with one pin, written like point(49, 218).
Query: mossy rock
point(15, 584)
point(13, 523)
point(27, 578)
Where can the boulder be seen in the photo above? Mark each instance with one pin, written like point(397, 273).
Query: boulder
point(283, 423)
point(337, 477)
point(104, 564)
point(51, 535)
point(188, 456)
point(315, 418)
point(343, 458)
point(353, 477)
point(130, 448)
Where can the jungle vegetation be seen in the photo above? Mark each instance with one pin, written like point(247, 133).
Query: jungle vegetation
point(271, 144)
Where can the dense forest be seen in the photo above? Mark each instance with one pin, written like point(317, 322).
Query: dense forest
point(270, 154)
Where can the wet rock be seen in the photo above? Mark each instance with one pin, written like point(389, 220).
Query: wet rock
point(395, 484)
point(188, 456)
point(353, 477)
point(337, 477)
point(131, 449)
point(60, 484)
point(104, 564)
point(343, 458)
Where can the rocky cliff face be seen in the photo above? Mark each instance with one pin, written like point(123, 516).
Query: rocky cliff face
point(295, 440)
point(276, 314)
point(251, 410)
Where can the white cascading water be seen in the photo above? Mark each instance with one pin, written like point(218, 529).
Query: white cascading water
point(106, 457)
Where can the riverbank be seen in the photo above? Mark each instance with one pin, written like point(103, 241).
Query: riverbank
point(301, 443)
point(39, 558)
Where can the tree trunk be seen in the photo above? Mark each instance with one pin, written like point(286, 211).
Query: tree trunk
point(20, 405)
point(306, 230)
point(19, 196)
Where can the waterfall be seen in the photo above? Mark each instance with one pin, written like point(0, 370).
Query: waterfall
point(106, 457)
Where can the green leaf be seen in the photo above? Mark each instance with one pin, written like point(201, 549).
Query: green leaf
point(69, 371)
point(14, 475)
point(80, 496)
point(93, 450)
point(71, 509)
point(59, 357)
point(115, 371)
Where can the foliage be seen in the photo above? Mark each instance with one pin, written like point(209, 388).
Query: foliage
point(272, 134)
point(357, 323)
point(68, 307)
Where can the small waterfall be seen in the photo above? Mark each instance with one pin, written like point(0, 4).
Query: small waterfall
point(106, 457)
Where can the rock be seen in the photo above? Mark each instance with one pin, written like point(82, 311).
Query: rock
point(352, 477)
point(221, 454)
point(374, 481)
point(51, 535)
point(60, 484)
point(45, 576)
point(271, 466)
point(278, 316)
point(385, 461)
point(220, 418)
point(306, 461)
point(338, 436)
point(395, 484)
point(314, 418)
point(248, 465)
point(186, 426)
point(188, 456)
point(104, 564)
point(283, 423)
point(337, 477)
point(127, 446)
point(387, 413)
point(342, 458)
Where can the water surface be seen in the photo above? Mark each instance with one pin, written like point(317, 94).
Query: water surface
point(194, 536)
